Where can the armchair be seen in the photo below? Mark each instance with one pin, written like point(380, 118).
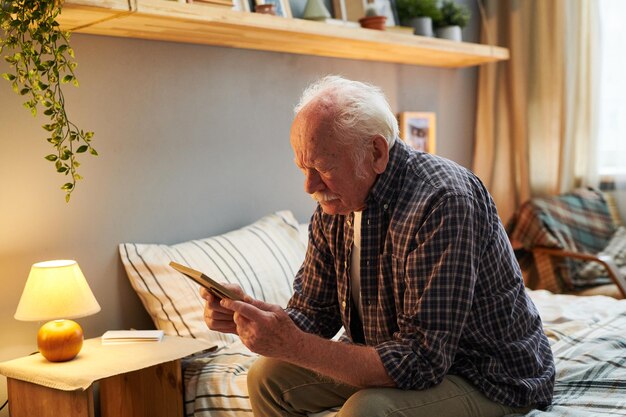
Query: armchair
point(571, 243)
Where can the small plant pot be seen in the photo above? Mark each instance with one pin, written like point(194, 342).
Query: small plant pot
point(423, 26)
point(268, 8)
point(452, 33)
point(373, 22)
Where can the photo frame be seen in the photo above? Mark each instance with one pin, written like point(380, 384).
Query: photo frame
point(418, 130)
point(282, 7)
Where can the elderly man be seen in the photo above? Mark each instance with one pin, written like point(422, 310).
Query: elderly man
point(407, 252)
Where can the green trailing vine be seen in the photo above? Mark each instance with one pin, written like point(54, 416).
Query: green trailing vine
point(41, 62)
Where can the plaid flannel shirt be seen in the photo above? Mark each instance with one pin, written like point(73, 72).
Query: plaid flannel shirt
point(441, 290)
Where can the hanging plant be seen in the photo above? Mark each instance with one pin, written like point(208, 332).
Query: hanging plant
point(41, 62)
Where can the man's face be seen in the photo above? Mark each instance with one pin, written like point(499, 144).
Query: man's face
point(328, 166)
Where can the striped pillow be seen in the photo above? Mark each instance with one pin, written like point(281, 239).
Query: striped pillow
point(262, 258)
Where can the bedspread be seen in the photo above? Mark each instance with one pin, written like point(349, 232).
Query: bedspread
point(591, 372)
point(215, 383)
point(587, 336)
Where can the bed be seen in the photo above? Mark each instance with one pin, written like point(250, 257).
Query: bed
point(587, 334)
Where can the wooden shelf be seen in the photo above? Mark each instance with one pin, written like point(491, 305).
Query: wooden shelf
point(220, 26)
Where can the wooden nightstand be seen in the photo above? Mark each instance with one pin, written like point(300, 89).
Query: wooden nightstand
point(140, 379)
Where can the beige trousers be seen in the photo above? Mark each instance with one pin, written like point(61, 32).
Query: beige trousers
point(279, 389)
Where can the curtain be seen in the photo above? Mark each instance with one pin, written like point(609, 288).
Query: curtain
point(579, 165)
point(531, 126)
point(500, 158)
point(612, 108)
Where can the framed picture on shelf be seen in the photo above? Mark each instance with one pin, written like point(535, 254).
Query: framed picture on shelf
point(281, 7)
point(418, 129)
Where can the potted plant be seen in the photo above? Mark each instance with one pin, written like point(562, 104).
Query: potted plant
point(454, 17)
point(41, 63)
point(419, 14)
point(373, 18)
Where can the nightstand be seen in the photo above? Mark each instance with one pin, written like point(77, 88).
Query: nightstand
point(138, 379)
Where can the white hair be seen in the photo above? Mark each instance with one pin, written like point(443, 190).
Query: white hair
point(361, 110)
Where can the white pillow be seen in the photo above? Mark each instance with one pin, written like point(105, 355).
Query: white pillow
point(262, 258)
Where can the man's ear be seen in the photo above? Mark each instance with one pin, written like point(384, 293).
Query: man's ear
point(380, 155)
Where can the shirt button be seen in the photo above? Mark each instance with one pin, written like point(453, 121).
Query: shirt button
point(368, 222)
point(386, 206)
point(368, 263)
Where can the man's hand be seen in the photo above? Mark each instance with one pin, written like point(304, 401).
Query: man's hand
point(217, 317)
point(264, 328)
point(268, 330)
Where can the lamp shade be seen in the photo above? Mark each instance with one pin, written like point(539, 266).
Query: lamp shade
point(56, 290)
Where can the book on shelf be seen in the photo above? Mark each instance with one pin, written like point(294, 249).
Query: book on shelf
point(116, 337)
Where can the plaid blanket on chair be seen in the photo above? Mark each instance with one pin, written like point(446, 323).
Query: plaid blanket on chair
point(579, 221)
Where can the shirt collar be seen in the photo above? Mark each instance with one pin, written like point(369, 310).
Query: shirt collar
point(384, 190)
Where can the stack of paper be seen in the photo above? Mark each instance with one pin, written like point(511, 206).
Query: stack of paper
point(115, 337)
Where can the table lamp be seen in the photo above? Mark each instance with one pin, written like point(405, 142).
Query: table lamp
point(57, 291)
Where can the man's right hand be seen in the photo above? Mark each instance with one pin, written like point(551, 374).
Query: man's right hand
point(217, 317)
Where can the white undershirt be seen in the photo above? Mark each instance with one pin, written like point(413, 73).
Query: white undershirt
point(355, 264)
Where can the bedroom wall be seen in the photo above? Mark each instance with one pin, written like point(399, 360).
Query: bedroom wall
point(193, 141)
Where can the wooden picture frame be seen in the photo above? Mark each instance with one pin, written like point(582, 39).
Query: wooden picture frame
point(418, 130)
point(282, 7)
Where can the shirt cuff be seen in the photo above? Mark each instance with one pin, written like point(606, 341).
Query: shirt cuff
point(402, 365)
point(301, 320)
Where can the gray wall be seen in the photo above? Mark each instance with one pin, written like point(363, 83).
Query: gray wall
point(193, 141)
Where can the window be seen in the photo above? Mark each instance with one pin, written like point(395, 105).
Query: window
point(612, 93)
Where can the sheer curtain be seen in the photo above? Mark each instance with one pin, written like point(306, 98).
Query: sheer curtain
point(535, 126)
point(500, 151)
point(582, 56)
point(611, 159)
